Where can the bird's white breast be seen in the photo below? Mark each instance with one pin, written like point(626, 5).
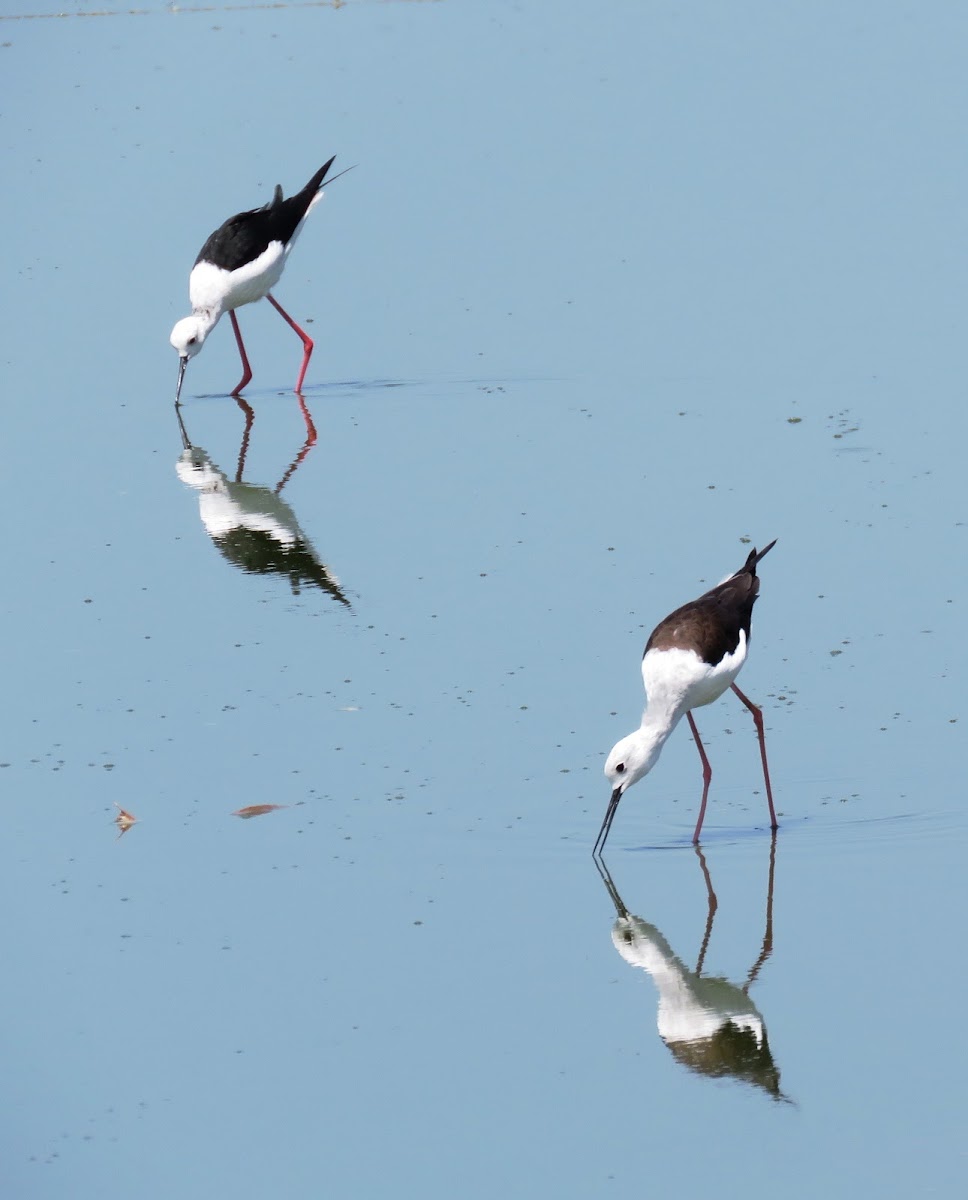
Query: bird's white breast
point(679, 679)
point(215, 288)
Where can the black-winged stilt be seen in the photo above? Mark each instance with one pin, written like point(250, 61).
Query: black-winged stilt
point(252, 526)
point(691, 658)
point(239, 264)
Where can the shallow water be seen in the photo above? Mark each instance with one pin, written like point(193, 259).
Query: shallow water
point(610, 296)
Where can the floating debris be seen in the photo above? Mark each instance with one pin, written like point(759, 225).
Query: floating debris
point(256, 810)
point(124, 820)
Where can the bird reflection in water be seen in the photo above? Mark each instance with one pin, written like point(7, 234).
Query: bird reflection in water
point(709, 1024)
point(252, 526)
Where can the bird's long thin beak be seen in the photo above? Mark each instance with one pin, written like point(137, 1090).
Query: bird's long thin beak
point(182, 364)
point(607, 823)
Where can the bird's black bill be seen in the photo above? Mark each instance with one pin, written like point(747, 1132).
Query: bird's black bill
point(607, 823)
point(182, 364)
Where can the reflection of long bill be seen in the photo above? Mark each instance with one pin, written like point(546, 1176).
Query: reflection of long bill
point(708, 1024)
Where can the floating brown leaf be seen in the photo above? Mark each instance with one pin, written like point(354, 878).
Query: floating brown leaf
point(124, 820)
point(256, 810)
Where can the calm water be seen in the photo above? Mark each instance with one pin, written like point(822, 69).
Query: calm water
point(612, 293)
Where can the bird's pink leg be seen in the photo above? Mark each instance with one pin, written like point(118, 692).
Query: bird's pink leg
point(707, 774)
point(758, 721)
point(307, 341)
point(246, 369)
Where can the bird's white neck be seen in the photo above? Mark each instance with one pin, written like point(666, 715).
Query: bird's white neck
point(663, 713)
point(641, 749)
point(637, 753)
point(208, 317)
point(658, 722)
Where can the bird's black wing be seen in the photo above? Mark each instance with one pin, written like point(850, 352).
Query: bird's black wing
point(711, 624)
point(242, 238)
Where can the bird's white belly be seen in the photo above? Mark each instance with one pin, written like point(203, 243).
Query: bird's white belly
point(680, 679)
point(214, 288)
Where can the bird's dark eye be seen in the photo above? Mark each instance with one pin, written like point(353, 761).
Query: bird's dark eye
point(192, 341)
point(620, 769)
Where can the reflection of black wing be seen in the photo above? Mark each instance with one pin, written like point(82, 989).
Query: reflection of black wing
point(259, 553)
point(731, 1051)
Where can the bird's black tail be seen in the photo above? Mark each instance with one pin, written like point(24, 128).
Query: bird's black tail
point(754, 558)
point(316, 182)
point(285, 215)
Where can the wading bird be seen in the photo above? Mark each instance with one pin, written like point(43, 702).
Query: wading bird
point(239, 264)
point(691, 658)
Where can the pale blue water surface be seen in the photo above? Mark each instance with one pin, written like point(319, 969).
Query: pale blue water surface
point(614, 292)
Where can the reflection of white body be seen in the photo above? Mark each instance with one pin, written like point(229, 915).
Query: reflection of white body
point(709, 1024)
point(691, 1007)
point(224, 506)
point(253, 526)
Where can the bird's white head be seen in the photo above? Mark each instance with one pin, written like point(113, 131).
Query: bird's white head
point(188, 337)
point(631, 758)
